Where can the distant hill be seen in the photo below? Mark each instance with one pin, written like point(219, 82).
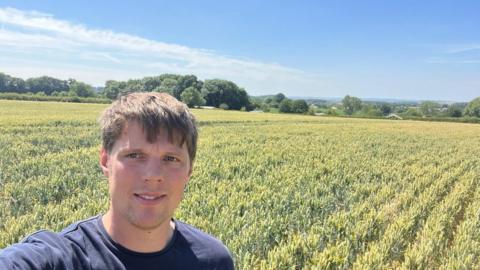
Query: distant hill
point(331, 100)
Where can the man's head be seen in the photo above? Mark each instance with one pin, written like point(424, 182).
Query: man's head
point(156, 113)
point(149, 143)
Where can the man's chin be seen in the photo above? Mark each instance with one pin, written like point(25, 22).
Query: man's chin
point(147, 224)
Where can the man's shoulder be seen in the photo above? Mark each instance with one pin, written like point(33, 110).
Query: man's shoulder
point(71, 240)
point(72, 235)
point(195, 236)
point(80, 227)
point(205, 246)
point(44, 249)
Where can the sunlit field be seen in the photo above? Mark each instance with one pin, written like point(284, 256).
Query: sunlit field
point(281, 191)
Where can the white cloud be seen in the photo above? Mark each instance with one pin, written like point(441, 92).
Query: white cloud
point(440, 60)
point(455, 54)
point(118, 53)
point(32, 40)
point(100, 56)
point(462, 48)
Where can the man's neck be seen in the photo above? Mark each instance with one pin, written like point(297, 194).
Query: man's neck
point(138, 239)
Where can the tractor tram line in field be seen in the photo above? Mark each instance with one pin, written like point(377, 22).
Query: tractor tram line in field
point(367, 225)
point(461, 253)
point(398, 235)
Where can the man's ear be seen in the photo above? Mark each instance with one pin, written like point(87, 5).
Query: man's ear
point(104, 157)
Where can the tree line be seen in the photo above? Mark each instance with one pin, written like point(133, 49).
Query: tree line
point(45, 85)
point(280, 103)
point(226, 95)
point(426, 109)
point(187, 88)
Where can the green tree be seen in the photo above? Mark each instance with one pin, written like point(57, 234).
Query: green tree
point(333, 111)
point(351, 104)
point(285, 106)
point(386, 109)
point(264, 107)
point(279, 97)
point(46, 84)
point(192, 97)
point(4, 82)
point(273, 104)
point(312, 109)
point(184, 82)
point(114, 88)
point(370, 110)
point(456, 109)
point(299, 106)
point(412, 112)
point(168, 86)
point(218, 91)
point(473, 108)
point(17, 85)
point(81, 89)
point(429, 108)
point(150, 83)
point(134, 85)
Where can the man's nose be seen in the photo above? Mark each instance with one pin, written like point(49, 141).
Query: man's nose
point(154, 170)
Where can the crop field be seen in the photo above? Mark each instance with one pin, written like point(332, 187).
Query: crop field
point(281, 191)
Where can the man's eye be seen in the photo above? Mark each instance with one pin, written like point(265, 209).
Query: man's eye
point(170, 158)
point(134, 155)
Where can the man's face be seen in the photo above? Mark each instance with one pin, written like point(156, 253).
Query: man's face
point(146, 180)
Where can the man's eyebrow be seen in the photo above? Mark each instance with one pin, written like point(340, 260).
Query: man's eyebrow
point(130, 149)
point(176, 153)
point(174, 150)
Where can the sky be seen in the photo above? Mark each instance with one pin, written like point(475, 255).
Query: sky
point(421, 50)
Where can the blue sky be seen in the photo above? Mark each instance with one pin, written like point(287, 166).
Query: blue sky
point(425, 50)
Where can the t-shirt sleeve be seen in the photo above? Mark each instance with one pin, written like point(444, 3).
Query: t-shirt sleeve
point(211, 252)
point(219, 257)
point(39, 251)
point(225, 261)
point(25, 256)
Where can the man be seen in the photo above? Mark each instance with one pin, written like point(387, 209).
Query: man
point(148, 149)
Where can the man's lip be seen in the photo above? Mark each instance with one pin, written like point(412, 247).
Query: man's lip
point(149, 195)
point(149, 199)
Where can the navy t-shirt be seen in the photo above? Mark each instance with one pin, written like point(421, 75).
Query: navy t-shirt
point(86, 245)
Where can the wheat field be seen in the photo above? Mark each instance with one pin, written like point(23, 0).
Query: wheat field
point(281, 191)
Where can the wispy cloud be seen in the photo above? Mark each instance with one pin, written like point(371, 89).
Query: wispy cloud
point(440, 60)
point(99, 56)
point(78, 46)
point(462, 48)
point(456, 54)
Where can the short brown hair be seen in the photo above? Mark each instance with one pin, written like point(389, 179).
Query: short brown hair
point(155, 112)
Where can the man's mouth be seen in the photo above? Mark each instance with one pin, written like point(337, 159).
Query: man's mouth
point(149, 198)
